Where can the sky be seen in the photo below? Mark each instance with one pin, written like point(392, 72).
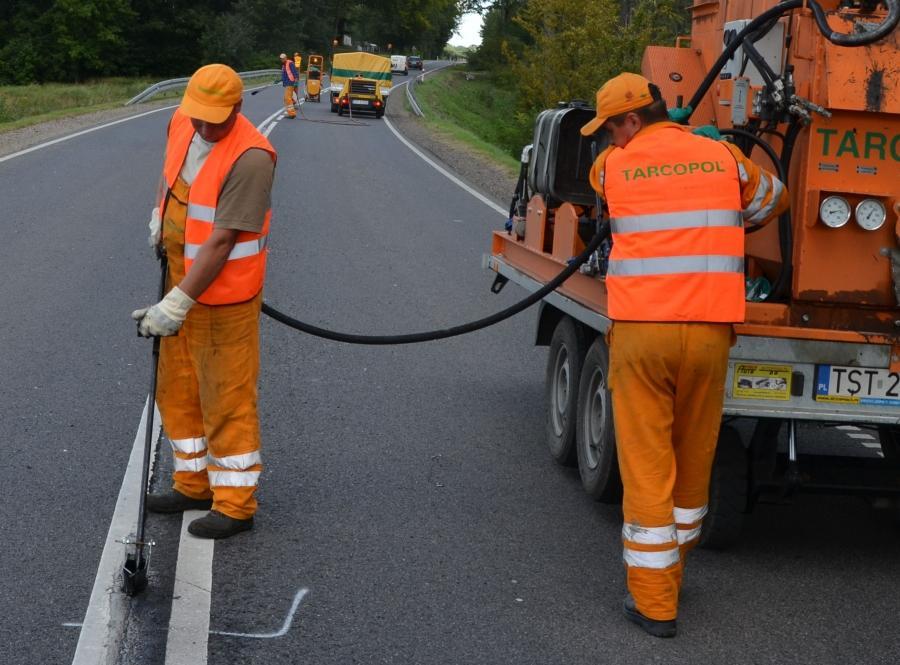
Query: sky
point(469, 31)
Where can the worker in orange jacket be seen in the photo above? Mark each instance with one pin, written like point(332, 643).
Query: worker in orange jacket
point(678, 205)
point(290, 79)
point(215, 209)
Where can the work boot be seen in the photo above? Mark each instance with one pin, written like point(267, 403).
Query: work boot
point(651, 626)
point(216, 525)
point(173, 501)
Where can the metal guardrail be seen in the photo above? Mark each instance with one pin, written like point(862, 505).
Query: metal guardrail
point(411, 97)
point(171, 84)
point(411, 93)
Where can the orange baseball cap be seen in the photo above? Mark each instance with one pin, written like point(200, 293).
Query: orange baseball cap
point(211, 93)
point(625, 92)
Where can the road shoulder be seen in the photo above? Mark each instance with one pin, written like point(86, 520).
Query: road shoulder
point(482, 173)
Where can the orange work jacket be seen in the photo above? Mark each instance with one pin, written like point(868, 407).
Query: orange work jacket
point(678, 239)
point(241, 278)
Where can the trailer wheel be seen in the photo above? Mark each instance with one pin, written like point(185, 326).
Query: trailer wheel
point(889, 436)
point(727, 492)
point(563, 375)
point(595, 440)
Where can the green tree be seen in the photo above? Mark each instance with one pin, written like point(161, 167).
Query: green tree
point(22, 60)
point(88, 36)
point(575, 47)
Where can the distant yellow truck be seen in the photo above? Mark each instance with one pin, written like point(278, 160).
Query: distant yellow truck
point(360, 82)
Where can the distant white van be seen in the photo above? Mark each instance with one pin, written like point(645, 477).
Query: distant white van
point(398, 65)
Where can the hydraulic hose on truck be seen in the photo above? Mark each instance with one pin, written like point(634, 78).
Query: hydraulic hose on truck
point(428, 336)
point(863, 38)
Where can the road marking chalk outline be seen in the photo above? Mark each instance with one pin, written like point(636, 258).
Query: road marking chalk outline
point(104, 620)
point(285, 627)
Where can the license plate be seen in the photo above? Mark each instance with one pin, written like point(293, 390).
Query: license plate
point(857, 385)
point(759, 381)
point(361, 102)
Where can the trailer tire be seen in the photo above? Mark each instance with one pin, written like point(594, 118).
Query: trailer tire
point(728, 491)
point(889, 437)
point(595, 439)
point(563, 374)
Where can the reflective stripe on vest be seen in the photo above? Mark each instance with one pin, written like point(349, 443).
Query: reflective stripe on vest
point(675, 220)
point(241, 278)
point(241, 250)
point(678, 242)
point(675, 265)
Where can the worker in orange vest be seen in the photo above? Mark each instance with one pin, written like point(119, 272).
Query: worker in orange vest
point(678, 204)
point(215, 207)
point(289, 80)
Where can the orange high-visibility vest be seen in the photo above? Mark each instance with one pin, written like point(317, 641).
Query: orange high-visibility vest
point(678, 239)
point(241, 278)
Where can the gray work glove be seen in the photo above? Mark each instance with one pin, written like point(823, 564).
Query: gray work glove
point(166, 317)
point(155, 227)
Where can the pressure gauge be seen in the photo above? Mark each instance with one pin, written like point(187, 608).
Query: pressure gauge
point(870, 214)
point(834, 211)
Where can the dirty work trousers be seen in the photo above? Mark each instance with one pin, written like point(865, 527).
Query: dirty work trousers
point(667, 382)
point(207, 388)
point(289, 101)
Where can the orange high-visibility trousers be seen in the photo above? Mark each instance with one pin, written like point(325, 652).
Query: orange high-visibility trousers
point(207, 392)
point(667, 382)
point(289, 101)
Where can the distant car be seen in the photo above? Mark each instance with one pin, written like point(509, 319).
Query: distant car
point(398, 65)
point(414, 62)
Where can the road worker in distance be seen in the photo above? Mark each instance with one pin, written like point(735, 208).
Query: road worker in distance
point(289, 80)
point(678, 205)
point(215, 206)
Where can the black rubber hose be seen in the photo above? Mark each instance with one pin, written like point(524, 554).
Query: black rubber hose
point(735, 43)
point(414, 338)
point(762, 143)
point(861, 38)
point(839, 38)
point(785, 231)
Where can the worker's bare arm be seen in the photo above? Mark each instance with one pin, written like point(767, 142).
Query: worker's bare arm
point(210, 259)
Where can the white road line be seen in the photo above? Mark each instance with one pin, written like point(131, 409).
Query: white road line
point(285, 627)
point(853, 428)
point(260, 126)
point(862, 436)
point(189, 621)
point(485, 200)
point(47, 144)
point(104, 620)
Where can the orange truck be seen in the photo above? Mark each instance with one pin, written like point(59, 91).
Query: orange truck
point(811, 90)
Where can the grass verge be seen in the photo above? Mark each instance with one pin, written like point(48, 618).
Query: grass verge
point(25, 105)
point(478, 111)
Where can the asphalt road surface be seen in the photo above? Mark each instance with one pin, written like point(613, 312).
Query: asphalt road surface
point(406, 489)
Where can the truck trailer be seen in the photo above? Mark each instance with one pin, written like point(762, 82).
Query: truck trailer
point(811, 91)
